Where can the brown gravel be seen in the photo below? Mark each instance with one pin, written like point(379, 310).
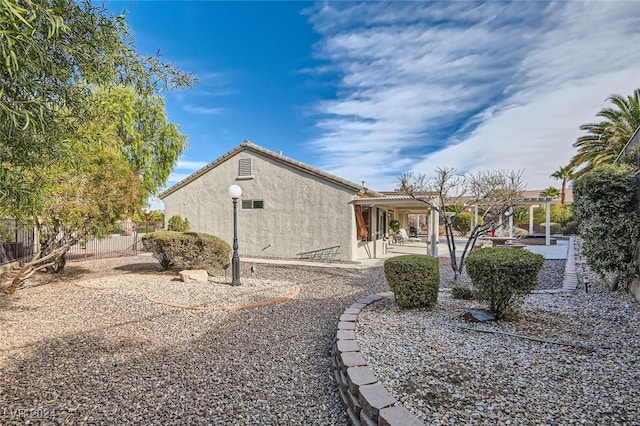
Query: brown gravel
point(71, 355)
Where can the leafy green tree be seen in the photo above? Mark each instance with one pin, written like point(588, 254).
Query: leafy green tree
point(178, 224)
point(84, 137)
point(462, 222)
point(563, 173)
point(79, 202)
point(606, 209)
point(605, 140)
point(137, 123)
point(55, 52)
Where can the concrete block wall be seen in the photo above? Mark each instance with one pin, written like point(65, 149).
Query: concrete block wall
point(368, 402)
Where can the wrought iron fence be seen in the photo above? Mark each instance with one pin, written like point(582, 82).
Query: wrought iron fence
point(126, 240)
point(16, 241)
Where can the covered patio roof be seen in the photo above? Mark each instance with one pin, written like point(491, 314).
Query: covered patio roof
point(399, 202)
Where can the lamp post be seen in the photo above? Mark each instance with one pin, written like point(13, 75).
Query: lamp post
point(235, 192)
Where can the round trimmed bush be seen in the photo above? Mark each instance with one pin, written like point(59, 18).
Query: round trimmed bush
point(503, 276)
point(414, 280)
point(188, 250)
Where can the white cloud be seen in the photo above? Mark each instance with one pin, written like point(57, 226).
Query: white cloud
point(190, 165)
point(202, 110)
point(475, 87)
point(176, 177)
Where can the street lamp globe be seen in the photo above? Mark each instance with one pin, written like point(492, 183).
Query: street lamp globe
point(235, 191)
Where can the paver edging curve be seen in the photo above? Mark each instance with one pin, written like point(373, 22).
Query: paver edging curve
point(367, 401)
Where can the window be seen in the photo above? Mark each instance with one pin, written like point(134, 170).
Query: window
point(244, 168)
point(252, 204)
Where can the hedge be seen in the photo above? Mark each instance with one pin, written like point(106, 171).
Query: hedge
point(503, 276)
point(414, 280)
point(188, 250)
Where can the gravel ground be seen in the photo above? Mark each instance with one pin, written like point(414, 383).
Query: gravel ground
point(78, 355)
point(550, 277)
point(73, 355)
point(446, 375)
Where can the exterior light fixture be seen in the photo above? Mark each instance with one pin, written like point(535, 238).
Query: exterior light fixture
point(235, 192)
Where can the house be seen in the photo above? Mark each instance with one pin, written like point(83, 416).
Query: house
point(287, 209)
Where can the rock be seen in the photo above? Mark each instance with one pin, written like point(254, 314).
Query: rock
point(480, 315)
point(191, 275)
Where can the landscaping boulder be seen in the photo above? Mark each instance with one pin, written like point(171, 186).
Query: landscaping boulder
point(194, 275)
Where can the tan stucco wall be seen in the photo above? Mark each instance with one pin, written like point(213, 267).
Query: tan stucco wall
point(301, 212)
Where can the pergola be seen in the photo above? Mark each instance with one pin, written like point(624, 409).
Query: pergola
point(405, 204)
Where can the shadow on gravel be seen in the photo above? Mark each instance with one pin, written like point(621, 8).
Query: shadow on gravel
point(152, 266)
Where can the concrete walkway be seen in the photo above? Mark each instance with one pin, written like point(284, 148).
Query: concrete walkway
point(554, 252)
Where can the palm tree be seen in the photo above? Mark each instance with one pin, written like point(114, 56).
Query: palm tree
point(604, 140)
point(565, 173)
point(550, 192)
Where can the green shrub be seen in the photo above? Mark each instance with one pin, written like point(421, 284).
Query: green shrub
point(178, 224)
point(503, 276)
point(461, 291)
point(606, 208)
point(570, 228)
point(187, 250)
point(414, 280)
point(462, 222)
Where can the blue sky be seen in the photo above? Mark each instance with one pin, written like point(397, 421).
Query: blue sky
point(370, 90)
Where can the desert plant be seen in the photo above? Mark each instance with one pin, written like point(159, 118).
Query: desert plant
point(503, 277)
point(178, 224)
point(461, 291)
point(414, 280)
point(187, 250)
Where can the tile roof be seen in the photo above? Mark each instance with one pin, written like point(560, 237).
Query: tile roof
point(248, 146)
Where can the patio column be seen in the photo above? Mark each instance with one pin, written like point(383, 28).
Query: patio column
point(531, 207)
point(510, 212)
point(547, 231)
point(374, 229)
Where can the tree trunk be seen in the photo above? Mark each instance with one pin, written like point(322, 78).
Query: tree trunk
point(616, 283)
point(53, 261)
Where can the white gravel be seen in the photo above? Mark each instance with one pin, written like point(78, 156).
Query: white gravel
point(446, 375)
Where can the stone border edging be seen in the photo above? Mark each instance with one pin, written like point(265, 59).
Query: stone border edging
point(368, 402)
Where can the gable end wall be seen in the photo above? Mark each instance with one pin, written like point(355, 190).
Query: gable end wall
point(301, 212)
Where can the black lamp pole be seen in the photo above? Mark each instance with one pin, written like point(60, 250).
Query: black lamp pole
point(235, 191)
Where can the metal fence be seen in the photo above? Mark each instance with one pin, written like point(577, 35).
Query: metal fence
point(631, 148)
point(16, 241)
point(125, 241)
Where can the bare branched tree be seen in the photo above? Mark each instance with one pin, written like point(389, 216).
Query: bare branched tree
point(494, 192)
